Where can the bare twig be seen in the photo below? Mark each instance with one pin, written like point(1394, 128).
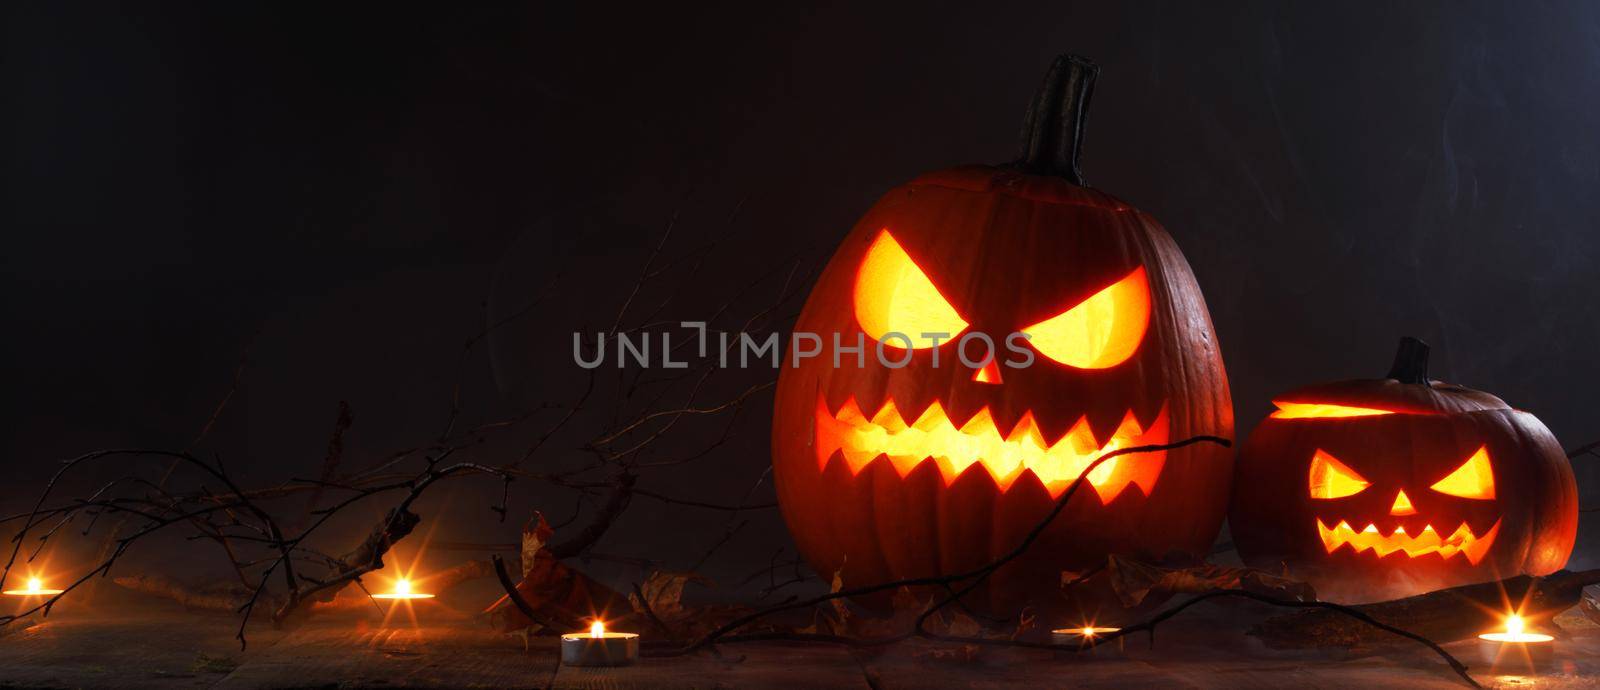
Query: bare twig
point(650, 613)
point(975, 576)
point(1150, 625)
point(330, 462)
point(1585, 449)
point(274, 558)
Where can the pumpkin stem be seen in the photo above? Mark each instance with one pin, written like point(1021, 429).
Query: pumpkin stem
point(1052, 129)
point(1410, 361)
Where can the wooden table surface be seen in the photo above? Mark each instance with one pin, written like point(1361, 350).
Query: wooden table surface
point(157, 645)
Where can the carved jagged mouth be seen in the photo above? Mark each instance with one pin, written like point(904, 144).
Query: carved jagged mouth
point(1461, 541)
point(935, 438)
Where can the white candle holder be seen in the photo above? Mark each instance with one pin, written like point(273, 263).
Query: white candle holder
point(1516, 650)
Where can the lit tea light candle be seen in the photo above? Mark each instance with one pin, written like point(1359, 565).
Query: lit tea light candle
point(402, 590)
point(599, 648)
point(35, 589)
point(1085, 636)
point(1516, 649)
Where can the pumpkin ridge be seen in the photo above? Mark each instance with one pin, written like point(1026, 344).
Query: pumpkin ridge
point(1005, 248)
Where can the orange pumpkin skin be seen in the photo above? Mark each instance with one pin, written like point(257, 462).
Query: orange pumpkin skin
point(1432, 430)
point(1006, 249)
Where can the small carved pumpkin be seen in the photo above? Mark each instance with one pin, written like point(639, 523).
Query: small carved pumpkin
point(937, 467)
point(1380, 488)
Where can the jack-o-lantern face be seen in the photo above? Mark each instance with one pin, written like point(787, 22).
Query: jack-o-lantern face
point(919, 463)
point(1339, 489)
point(1402, 487)
point(893, 295)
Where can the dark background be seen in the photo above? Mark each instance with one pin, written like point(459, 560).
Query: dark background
point(349, 194)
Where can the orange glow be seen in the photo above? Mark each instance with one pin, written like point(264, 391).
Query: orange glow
point(402, 590)
point(989, 373)
point(893, 295)
point(1100, 332)
point(598, 629)
point(934, 437)
point(35, 588)
point(1289, 410)
point(1083, 637)
point(1402, 505)
point(1332, 479)
point(1515, 632)
point(1462, 541)
point(1473, 479)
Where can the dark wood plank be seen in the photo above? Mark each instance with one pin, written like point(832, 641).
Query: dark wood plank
point(175, 651)
point(766, 665)
point(156, 647)
point(332, 653)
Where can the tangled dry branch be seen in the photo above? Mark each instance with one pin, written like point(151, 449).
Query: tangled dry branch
point(958, 585)
point(278, 553)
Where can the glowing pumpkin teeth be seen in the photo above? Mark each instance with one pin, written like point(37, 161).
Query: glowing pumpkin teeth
point(1370, 538)
point(934, 437)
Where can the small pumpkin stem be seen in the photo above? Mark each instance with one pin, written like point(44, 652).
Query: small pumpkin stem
point(1052, 129)
point(1410, 361)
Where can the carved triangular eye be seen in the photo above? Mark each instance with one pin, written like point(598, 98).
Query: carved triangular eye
point(1473, 479)
point(1102, 331)
point(1294, 410)
point(893, 295)
point(1332, 479)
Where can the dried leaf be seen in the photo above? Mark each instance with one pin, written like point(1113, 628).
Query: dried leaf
point(536, 535)
point(559, 594)
point(840, 610)
point(1025, 622)
point(527, 634)
point(1586, 615)
point(906, 604)
point(664, 593)
point(1133, 581)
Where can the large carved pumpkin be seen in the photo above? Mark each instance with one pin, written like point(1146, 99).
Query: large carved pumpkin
point(929, 465)
point(1380, 488)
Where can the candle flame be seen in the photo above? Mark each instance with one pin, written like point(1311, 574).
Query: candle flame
point(33, 587)
point(597, 630)
point(1088, 631)
point(1516, 633)
point(402, 590)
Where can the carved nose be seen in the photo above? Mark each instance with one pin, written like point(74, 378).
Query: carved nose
point(990, 373)
point(1402, 505)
